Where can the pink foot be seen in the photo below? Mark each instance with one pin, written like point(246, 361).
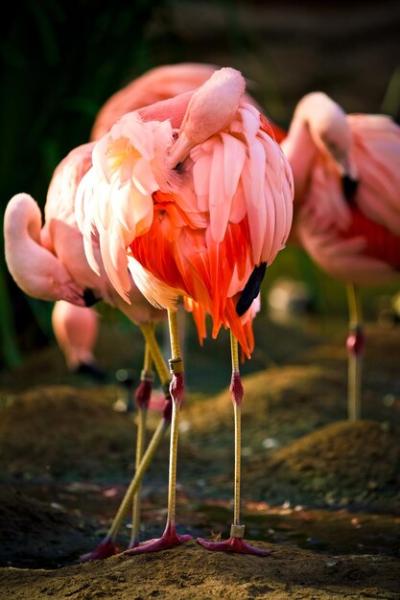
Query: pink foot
point(169, 539)
point(232, 544)
point(133, 544)
point(105, 549)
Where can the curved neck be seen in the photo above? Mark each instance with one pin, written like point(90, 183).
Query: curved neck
point(301, 151)
point(23, 221)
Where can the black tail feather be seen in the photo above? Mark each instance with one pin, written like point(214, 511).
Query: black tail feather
point(251, 290)
point(89, 298)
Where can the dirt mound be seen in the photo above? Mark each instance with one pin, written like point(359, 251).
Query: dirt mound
point(284, 403)
point(291, 396)
point(190, 572)
point(39, 534)
point(349, 464)
point(57, 432)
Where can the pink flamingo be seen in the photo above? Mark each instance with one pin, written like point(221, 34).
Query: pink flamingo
point(197, 191)
point(59, 244)
point(33, 253)
point(75, 329)
point(347, 181)
point(157, 84)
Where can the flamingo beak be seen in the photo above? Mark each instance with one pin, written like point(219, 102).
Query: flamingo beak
point(349, 177)
point(180, 150)
point(349, 187)
point(89, 298)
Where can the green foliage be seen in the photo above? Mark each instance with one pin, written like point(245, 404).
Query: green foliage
point(61, 61)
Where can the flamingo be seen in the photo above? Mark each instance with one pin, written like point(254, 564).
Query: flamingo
point(347, 178)
point(196, 193)
point(34, 269)
point(53, 282)
point(157, 84)
point(38, 257)
point(75, 329)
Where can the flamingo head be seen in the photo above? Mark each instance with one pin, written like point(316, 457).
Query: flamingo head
point(34, 268)
point(330, 131)
point(212, 107)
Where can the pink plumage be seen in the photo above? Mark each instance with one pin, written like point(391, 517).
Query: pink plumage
point(201, 227)
point(35, 269)
point(356, 240)
point(75, 329)
point(157, 84)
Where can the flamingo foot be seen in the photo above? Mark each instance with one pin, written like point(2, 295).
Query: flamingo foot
point(133, 544)
point(103, 550)
point(169, 539)
point(233, 544)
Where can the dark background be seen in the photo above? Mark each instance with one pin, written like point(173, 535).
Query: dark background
point(62, 60)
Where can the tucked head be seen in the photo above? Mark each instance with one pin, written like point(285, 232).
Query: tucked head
point(329, 129)
point(211, 108)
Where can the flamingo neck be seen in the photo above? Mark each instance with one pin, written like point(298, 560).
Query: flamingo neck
point(23, 225)
point(301, 152)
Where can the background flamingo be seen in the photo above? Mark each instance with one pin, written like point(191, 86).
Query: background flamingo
point(34, 268)
point(60, 243)
point(347, 181)
point(204, 213)
point(75, 329)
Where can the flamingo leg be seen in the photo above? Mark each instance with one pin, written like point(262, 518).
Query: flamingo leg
point(107, 547)
point(170, 538)
point(235, 543)
point(143, 394)
point(136, 506)
point(355, 348)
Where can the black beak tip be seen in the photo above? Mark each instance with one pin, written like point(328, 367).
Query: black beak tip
point(349, 187)
point(89, 298)
point(91, 370)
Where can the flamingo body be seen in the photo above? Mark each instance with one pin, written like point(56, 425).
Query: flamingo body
point(355, 239)
point(198, 200)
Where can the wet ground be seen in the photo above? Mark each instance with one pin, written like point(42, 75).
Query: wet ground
point(321, 493)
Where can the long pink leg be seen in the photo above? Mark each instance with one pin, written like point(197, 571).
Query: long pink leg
point(170, 537)
point(235, 543)
point(142, 397)
point(107, 547)
point(355, 347)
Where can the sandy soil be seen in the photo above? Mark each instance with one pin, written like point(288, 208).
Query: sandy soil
point(191, 572)
point(321, 493)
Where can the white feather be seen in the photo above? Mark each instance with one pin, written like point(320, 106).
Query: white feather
point(159, 294)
